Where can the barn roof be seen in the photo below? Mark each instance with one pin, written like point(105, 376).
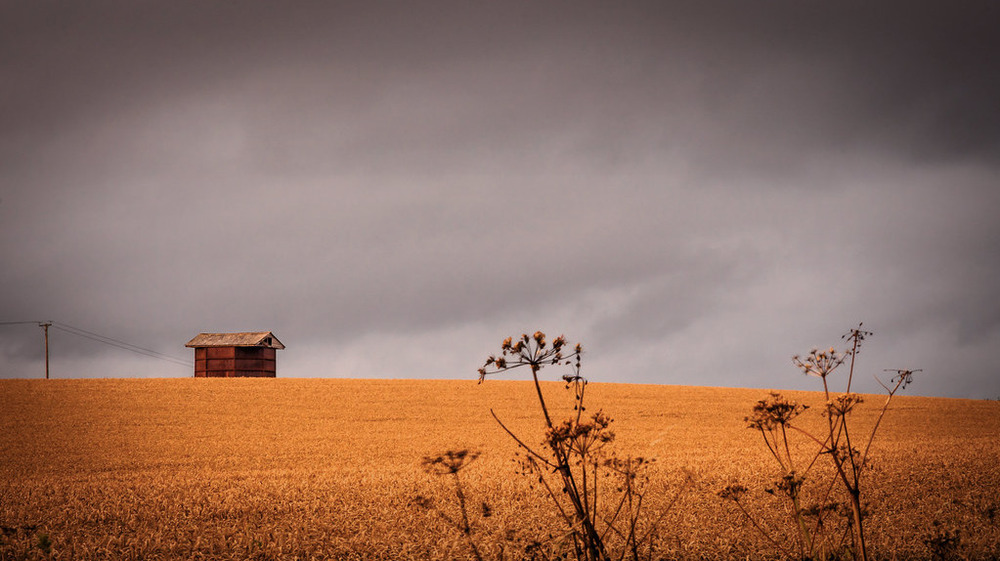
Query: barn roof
point(245, 339)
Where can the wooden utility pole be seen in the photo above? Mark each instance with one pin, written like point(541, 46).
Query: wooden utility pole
point(45, 326)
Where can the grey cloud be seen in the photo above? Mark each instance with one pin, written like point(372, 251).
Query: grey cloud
point(674, 181)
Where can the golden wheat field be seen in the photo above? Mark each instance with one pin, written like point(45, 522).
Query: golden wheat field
point(331, 469)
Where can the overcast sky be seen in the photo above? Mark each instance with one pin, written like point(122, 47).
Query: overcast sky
point(695, 191)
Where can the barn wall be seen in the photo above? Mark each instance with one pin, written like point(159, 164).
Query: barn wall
point(235, 362)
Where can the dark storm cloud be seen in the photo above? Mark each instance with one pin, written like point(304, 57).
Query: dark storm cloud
point(913, 78)
point(676, 182)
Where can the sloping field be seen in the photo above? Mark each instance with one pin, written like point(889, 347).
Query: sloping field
point(330, 468)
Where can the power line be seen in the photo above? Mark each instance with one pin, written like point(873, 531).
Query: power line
point(110, 341)
point(118, 343)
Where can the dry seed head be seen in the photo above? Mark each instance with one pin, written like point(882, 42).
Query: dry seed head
point(903, 377)
point(582, 433)
point(790, 484)
point(772, 412)
point(843, 404)
point(539, 339)
point(820, 363)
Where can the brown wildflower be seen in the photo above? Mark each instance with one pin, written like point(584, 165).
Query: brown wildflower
point(772, 412)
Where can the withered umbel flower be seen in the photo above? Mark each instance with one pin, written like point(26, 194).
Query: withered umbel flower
point(532, 351)
point(772, 412)
point(790, 484)
point(581, 436)
point(539, 338)
point(903, 377)
point(820, 363)
point(843, 404)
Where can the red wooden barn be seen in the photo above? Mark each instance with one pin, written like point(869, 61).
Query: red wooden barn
point(235, 355)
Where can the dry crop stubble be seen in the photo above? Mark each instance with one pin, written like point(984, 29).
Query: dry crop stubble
point(311, 468)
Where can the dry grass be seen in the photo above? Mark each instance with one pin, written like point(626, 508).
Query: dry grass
point(283, 468)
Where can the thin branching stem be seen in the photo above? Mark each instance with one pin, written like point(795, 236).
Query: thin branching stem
point(878, 421)
point(773, 450)
point(771, 416)
point(521, 443)
point(656, 522)
point(558, 503)
point(788, 453)
point(541, 398)
point(762, 531)
point(571, 465)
